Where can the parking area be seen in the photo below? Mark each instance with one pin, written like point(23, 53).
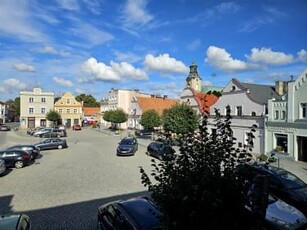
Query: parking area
point(64, 188)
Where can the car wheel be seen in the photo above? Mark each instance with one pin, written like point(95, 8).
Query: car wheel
point(60, 147)
point(18, 164)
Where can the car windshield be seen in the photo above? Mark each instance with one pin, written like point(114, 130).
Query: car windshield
point(291, 181)
point(126, 142)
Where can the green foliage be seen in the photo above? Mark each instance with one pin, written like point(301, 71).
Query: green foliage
point(88, 100)
point(117, 116)
point(53, 116)
point(199, 188)
point(56, 99)
point(180, 119)
point(150, 119)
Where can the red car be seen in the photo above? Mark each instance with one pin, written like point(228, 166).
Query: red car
point(76, 127)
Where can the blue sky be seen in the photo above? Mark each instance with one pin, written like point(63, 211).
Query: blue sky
point(84, 46)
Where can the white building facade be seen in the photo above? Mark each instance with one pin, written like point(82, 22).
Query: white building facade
point(286, 126)
point(34, 105)
point(119, 98)
point(3, 112)
point(248, 104)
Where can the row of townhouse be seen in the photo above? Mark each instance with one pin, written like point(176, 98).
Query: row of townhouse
point(34, 105)
point(134, 103)
point(279, 112)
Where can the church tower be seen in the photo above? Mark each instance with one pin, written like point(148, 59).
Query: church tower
point(193, 80)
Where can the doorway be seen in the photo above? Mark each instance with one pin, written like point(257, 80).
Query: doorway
point(302, 148)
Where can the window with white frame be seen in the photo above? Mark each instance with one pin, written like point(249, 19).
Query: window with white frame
point(31, 99)
point(303, 110)
point(67, 101)
point(43, 100)
point(239, 110)
point(75, 111)
point(43, 110)
point(31, 110)
point(283, 115)
point(60, 111)
point(67, 110)
point(276, 115)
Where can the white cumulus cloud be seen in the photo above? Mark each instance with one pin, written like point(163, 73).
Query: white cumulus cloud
point(24, 67)
point(267, 56)
point(63, 82)
point(12, 86)
point(125, 69)
point(114, 72)
point(222, 60)
point(302, 56)
point(164, 64)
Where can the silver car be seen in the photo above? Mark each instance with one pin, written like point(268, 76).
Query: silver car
point(2, 167)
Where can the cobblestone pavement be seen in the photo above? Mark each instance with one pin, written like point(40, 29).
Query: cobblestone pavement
point(64, 188)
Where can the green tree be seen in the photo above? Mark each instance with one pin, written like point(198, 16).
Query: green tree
point(199, 188)
point(150, 119)
point(180, 119)
point(116, 117)
point(53, 116)
point(17, 105)
point(88, 100)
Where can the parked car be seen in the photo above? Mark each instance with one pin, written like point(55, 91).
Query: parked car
point(31, 131)
point(15, 222)
point(52, 143)
point(144, 133)
point(160, 150)
point(76, 127)
point(32, 149)
point(127, 146)
point(2, 167)
point(4, 128)
point(54, 133)
point(40, 132)
point(15, 158)
point(280, 215)
point(133, 214)
point(283, 184)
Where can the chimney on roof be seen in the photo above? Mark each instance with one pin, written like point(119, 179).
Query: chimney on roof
point(281, 87)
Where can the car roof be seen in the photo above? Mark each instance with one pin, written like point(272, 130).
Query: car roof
point(143, 212)
point(14, 150)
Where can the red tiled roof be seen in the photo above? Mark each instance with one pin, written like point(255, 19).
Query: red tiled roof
point(91, 111)
point(205, 101)
point(158, 104)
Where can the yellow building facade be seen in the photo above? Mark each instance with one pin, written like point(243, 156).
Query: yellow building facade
point(69, 109)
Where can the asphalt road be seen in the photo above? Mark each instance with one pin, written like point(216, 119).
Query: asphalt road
point(64, 188)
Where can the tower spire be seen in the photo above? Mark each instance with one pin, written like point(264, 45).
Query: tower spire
point(194, 80)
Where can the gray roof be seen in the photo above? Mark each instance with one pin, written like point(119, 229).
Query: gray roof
point(262, 93)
